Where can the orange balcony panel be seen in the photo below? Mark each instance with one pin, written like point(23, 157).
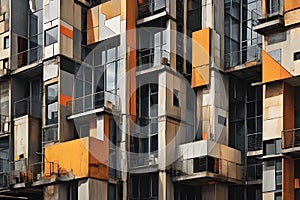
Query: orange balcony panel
point(272, 70)
point(291, 5)
point(200, 76)
point(201, 47)
point(85, 157)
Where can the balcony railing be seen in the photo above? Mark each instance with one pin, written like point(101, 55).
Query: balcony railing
point(259, 17)
point(27, 57)
point(254, 172)
point(150, 7)
point(18, 172)
point(50, 134)
point(94, 101)
point(43, 170)
point(148, 58)
point(143, 159)
point(291, 138)
point(22, 107)
point(249, 54)
point(254, 142)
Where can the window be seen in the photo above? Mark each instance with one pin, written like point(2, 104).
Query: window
point(272, 147)
point(176, 98)
point(6, 42)
point(51, 36)
point(5, 63)
point(144, 187)
point(112, 192)
point(297, 56)
point(52, 104)
point(272, 6)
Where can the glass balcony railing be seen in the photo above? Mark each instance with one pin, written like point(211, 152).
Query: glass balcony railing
point(291, 138)
point(271, 13)
point(94, 101)
point(148, 58)
point(27, 57)
point(150, 7)
point(247, 55)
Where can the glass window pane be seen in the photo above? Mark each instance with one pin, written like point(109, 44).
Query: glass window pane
point(51, 36)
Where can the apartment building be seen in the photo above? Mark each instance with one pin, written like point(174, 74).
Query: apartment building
point(149, 99)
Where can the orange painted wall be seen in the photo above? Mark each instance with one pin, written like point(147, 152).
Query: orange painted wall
point(291, 5)
point(288, 179)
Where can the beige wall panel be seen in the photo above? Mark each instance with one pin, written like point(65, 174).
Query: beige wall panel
point(272, 128)
point(292, 17)
point(66, 46)
point(21, 127)
point(67, 11)
point(268, 196)
point(77, 16)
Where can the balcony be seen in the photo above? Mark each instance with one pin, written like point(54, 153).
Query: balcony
point(149, 59)
point(208, 161)
point(27, 57)
point(268, 21)
point(150, 7)
point(17, 174)
point(45, 172)
point(291, 142)
point(254, 173)
point(249, 56)
point(81, 158)
point(93, 103)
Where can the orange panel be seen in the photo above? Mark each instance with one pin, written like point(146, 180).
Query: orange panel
point(200, 76)
point(201, 47)
point(64, 99)
point(131, 6)
point(291, 5)
point(288, 111)
point(111, 8)
point(65, 31)
point(72, 155)
point(272, 70)
point(288, 179)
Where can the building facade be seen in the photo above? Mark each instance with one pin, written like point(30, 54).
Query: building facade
point(149, 99)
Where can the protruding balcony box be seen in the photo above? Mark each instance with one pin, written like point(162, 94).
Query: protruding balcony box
point(268, 20)
point(208, 161)
point(97, 102)
point(81, 158)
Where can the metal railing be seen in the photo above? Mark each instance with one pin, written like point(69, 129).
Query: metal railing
point(148, 58)
point(150, 7)
point(18, 172)
point(254, 141)
point(143, 159)
point(26, 57)
point(94, 101)
point(42, 170)
point(50, 134)
point(246, 55)
point(254, 172)
point(22, 107)
point(291, 138)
